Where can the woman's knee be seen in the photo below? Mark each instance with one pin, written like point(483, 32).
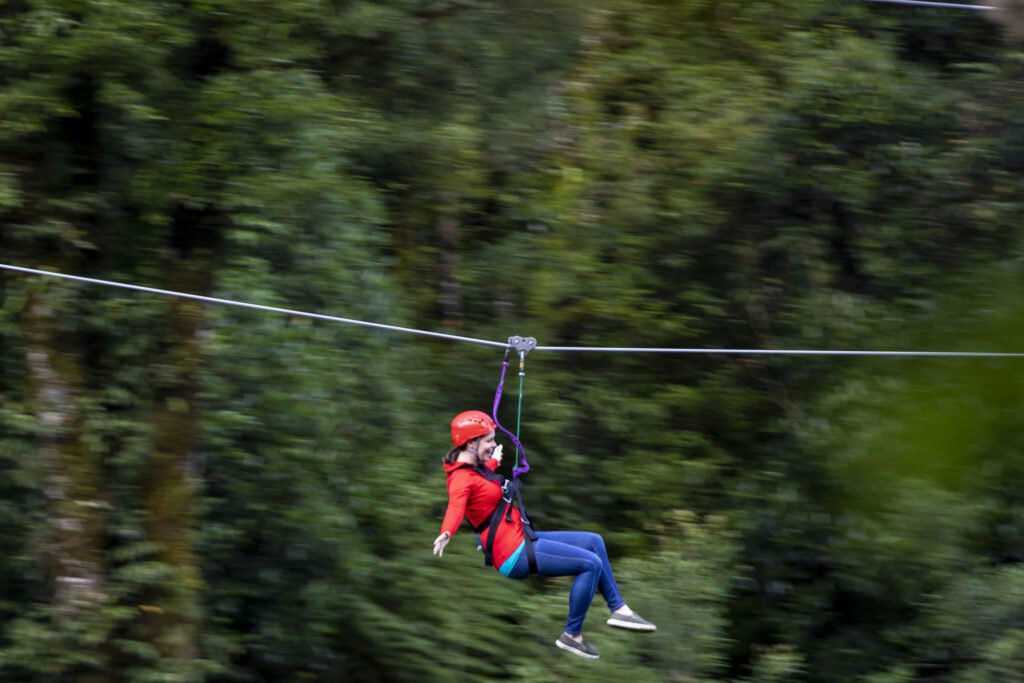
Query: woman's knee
point(593, 570)
point(596, 542)
point(590, 562)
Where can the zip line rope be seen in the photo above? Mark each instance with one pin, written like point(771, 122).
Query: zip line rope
point(505, 345)
point(243, 304)
point(943, 5)
point(787, 352)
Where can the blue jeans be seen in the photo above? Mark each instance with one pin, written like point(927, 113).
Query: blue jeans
point(574, 553)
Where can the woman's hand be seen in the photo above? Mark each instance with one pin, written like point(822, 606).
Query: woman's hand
point(496, 455)
point(440, 542)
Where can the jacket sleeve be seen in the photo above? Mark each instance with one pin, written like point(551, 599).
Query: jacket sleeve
point(458, 497)
point(492, 464)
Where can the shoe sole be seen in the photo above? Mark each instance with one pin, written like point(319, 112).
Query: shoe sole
point(578, 653)
point(632, 626)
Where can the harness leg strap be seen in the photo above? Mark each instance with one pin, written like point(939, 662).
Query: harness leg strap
point(531, 556)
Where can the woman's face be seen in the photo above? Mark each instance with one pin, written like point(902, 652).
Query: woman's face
point(485, 446)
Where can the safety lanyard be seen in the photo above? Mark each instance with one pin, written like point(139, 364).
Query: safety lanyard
point(522, 345)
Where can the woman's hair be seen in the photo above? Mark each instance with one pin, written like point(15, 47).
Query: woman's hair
point(452, 455)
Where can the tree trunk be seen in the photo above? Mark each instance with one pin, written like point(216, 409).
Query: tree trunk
point(76, 508)
point(171, 486)
point(450, 291)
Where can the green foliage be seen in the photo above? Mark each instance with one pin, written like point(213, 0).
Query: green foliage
point(627, 172)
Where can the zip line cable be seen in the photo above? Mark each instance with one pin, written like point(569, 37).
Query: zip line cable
point(786, 352)
point(243, 304)
point(942, 5)
point(503, 345)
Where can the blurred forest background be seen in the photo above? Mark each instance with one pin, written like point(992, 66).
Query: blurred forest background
point(202, 493)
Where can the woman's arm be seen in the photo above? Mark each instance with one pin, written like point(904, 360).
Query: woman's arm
point(458, 498)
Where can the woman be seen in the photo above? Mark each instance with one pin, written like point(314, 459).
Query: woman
point(474, 492)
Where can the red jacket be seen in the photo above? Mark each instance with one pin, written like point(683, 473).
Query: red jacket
point(472, 496)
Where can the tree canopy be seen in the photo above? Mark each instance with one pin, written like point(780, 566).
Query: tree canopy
point(202, 493)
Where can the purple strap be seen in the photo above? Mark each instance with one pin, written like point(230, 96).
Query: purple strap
point(494, 413)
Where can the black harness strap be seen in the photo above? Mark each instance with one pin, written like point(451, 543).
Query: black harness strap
point(528, 531)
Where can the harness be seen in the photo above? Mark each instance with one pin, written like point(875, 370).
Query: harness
point(511, 496)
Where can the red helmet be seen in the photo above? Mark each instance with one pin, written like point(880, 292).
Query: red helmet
point(470, 424)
